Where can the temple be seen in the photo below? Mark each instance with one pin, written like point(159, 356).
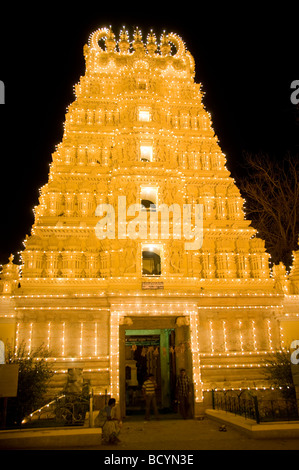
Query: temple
point(122, 303)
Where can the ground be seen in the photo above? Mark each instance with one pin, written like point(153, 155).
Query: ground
point(139, 438)
point(178, 434)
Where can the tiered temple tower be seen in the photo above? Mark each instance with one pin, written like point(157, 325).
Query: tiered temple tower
point(138, 128)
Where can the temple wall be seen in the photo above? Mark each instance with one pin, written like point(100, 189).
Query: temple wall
point(233, 335)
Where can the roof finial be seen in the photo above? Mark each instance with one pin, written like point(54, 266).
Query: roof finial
point(137, 43)
point(110, 41)
point(123, 44)
point(151, 43)
point(164, 46)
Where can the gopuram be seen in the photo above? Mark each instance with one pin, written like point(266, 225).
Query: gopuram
point(176, 276)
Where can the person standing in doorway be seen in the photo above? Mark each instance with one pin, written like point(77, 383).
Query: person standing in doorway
point(149, 392)
point(183, 392)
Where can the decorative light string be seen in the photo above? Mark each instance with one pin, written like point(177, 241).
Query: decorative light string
point(270, 335)
point(254, 335)
point(224, 335)
point(81, 340)
point(211, 336)
point(156, 309)
point(30, 339)
point(49, 336)
point(240, 335)
point(196, 366)
point(63, 339)
point(114, 354)
point(282, 342)
point(95, 338)
point(17, 338)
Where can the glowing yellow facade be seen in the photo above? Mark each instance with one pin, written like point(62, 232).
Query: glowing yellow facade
point(138, 128)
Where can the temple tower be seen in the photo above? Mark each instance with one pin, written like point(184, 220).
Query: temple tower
point(138, 133)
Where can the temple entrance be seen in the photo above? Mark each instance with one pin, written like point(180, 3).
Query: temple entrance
point(152, 344)
point(150, 352)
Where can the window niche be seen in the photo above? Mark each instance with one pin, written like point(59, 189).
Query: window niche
point(144, 115)
point(151, 260)
point(146, 152)
point(149, 198)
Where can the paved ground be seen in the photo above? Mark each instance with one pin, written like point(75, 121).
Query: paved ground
point(178, 434)
point(168, 434)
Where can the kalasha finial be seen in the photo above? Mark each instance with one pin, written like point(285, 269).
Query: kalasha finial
point(124, 44)
point(110, 41)
point(151, 43)
point(137, 43)
point(165, 47)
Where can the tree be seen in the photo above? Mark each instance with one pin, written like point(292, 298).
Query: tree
point(277, 369)
point(34, 374)
point(271, 191)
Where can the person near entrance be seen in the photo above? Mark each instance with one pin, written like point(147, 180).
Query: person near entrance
point(183, 391)
point(149, 392)
point(109, 423)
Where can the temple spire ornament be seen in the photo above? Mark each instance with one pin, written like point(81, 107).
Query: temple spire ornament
point(110, 41)
point(151, 43)
point(138, 45)
point(165, 46)
point(124, 44)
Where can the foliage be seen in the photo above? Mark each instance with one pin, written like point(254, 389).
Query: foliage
point(277, 369)
point(271, 190)
point(34, 374)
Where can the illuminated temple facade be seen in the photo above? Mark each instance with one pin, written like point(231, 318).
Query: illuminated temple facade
point(120, 307)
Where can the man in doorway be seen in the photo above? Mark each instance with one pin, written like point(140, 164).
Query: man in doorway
point(149, 392)
point(183, 392)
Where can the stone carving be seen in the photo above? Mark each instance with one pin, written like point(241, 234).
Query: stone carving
point(74, 381)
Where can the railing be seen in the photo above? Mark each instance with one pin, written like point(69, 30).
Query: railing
point(253, 407)
point(71, 410)
point(68, 410)
point(65, 410)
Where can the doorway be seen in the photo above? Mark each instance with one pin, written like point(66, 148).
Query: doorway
point(150, 352)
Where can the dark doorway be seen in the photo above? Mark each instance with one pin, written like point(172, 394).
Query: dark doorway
point(150, 352)
point(151, 263)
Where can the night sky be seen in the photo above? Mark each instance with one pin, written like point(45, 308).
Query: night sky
point(246, 59)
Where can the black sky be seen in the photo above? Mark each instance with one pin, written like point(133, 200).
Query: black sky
point(246, 58)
